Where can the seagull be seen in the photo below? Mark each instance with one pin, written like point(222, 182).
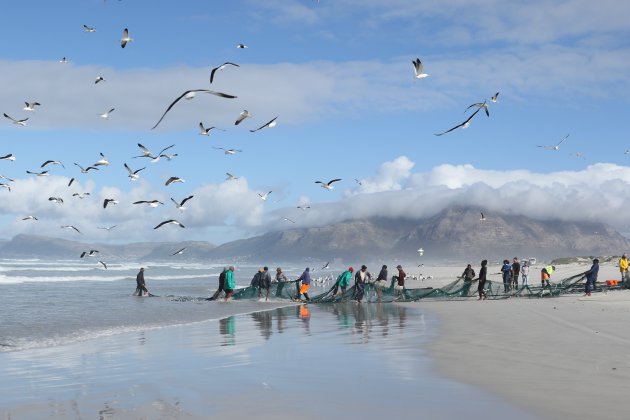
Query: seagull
point(557, 146)
point(105, 115)
point(178, 252)
point(103, 264)
point(30, 106)
point(173, 179)
point(84, 170)
point(8, 157)
point(107, 228)
point(241, 46)
point(578, 155)
point(626, 152)
point(99, 79)
point(327, 185)
point(203, 131)
point(495, 97)
point(230, 177)
point(16, 122)
point(180, 205)
point(81, 195)
point(288, 220)
point(242, 116)
point(151, 203)
point(109, 201)
point(89, 29)
point(92, 253)
point(228, 151)
point(421, 251)
point(483, 218)
point(147, 153)
point(465, 124)
point(270, 124)
point(220, 68)
point(190, 94)
point(4, 177)
point(133, 175)
point(30, 218)
point(42, 173)
point(358, 181)
point(71, 227)
point(52, 162)
point(325, 266)
point(57, 200)
point(303, 207)
point(64, 60)
point(418, 69)
point(70, 182)
point(480, 105)
point(125, 38)
point(5, 186)
point(167, 157)
point(264, 197)
point(170, 221)
point(102, 161)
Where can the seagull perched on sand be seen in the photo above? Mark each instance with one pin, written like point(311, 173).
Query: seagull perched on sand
point(21, 122)
point(270, 124)
point(89, 29)
point(180, 206)
point(264, 197)
point(170, 221)
point(125, 38)
point(465, 124)
point(71, 227)
point(133, 175)
point(30, 218)
point(173, 179)
point(328, 185)
point(7, 186)
point(230, 177)
point(242, 116)
point(150, 203)
point(99, 79)
point(109, 201)
point(52, 162)
point(228, 151)
point(82, 195)
point(495, 97)
point(220, 68)
point(483, 218)
point(190, 94)
point(56, 200)
point(557, 146)
point(105, 115)
point(178, 252)
point(107, 228)
point(418, 69)
point(102, 161)
point(30, 106)
point(203, 131)
point(42, 173)
point(8, 157)
point(91, 253)
point(85, 170)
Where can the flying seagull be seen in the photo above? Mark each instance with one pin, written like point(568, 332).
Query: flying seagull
point(42, 173)
point(480, 105)
point(147, 153)
point(89, 29)
point(325, 266)
point(465, 124)
point(230, 177)
point(56, 200)
point(327, 185)
point(220, 68)
point(203, 131)
point(125, 38)
point(4, 177)
point(109, 201)
point(92, 253)
point(190, 94)
point(173, 179)
point(270, 124)
point(16, 122)
point(557, 146)
point(85, 170)
point(103, 264)
point(178, 252)
point(303, 207)
point(99, 79)
point(102, 161)
point(71, 227)
point(482, 217)
point(8, 157)
point(107, 228)
point(52, 162)
point(180, 205)
point(358, 181)
point(288, 220)
point(495, 97)
point(228, 151)
point(167, 157)
point(418, 69)
point(30, 106)
point(241, 46)
point(82, 195)
point(170, 221)
point(6, 186)
point(151, 203)
point(63, 60)
point(30, 218)
point(133, 175)
point(264, 197)
point(70, 182)
point(242, 116)
point(105, 115)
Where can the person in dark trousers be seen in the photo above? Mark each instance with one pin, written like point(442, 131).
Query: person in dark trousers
point(483, 272)
point(256, 279)
point(221, 284)
point(516, 271)
point(545, 274)
point(506, 272)
point(140, 285)
point(360, 279)
point(282, 279)
point(265, 283)
point(381, 282)
point(400, 287)
point(591, 277)
point(468, 275)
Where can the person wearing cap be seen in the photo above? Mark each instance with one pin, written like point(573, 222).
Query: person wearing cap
point(140, 285)
point(591, 277)
point(381, 282)
point(342, 282)
point(360, 279)
point(265, 282)
point(305, 280)
point(623, 267)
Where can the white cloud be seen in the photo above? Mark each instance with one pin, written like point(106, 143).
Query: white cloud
point(389, 176)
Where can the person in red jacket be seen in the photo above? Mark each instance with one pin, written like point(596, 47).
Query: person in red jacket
point(400, 286)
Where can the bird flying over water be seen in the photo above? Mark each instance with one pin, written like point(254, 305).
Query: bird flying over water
point(220, 68)
point(418, 69)
point(270, 124)
point(190, 94)
point(125, 38)
point(103, 264)
point(557, 146)
point(170, 221)
point(91, 253)
point(178, 252)
point(328, 185)
point(465, 124)
point(21, 122)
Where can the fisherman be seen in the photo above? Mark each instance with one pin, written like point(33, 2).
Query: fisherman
point(506, 271)
point(342, 282)
point(281, 279)
point(468, 276)
point(221, 284)
point(623, 267)
point(229, 283)
point(545, 274)
point(400, 287)
point(516, 270)
point(591, 277)
point(482, 280)
point(360, 279)
point(305, 280)
point(265, 282)
point(525, 273)
point(256, 279)
point(380, 283)
point(140, 285)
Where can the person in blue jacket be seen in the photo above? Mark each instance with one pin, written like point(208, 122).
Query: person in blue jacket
point(591, 277)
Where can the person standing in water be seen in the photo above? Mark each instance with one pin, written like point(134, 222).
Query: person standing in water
point(305, 280)
point(221, 284)
point(265, 283)
point(483, 272)
point(468, 275)
point(281, 279)
point(229, 283)
point(400, 287)
point(360, 279)
point(342, 282)
point(140, 285)
point(381, 283)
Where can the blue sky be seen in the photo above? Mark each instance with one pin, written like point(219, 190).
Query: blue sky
point(339, 77)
